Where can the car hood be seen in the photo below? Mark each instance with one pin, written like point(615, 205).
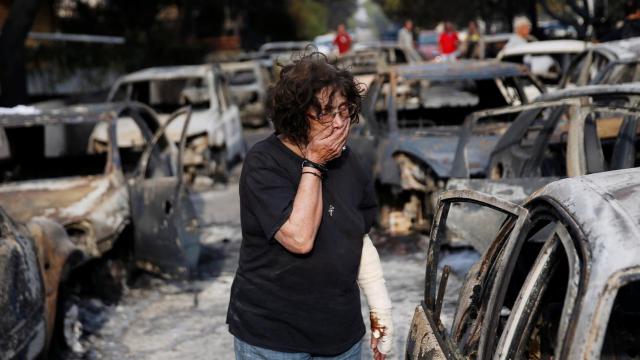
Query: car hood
point(63, 200)
point(437, 149)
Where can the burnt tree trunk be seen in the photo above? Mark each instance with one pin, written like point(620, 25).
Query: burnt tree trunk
point(13, 75)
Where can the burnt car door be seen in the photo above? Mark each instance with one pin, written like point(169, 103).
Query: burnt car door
point(428, 337)
point(165, 225)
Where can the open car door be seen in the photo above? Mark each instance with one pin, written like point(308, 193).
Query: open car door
point(499, 220)
point(164, 219)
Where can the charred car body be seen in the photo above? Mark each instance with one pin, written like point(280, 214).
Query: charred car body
point(84, 200)
point(410, 125)
point(560, 279)
point(214, 135)
point(567, 133)
point(248, 83)
point(612, 62)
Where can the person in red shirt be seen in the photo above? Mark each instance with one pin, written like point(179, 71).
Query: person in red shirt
point(342, 40)
point(448, 42)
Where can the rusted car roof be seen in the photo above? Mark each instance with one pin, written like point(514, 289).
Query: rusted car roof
point(461, 70)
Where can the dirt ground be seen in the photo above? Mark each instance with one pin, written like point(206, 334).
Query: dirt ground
point(160, 319)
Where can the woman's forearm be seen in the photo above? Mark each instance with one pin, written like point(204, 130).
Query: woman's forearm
point(298, 233)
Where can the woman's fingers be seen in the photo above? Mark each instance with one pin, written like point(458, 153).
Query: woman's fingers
point(325, 133)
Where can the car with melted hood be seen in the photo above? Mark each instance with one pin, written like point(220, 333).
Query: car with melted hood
point(72, 201)
point(410, 124)
point(560, 278)
point(53, 165)
point(571, 132)
point(214, 135)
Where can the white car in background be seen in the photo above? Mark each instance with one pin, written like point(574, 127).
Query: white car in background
point(214, 135)
point(324, 43)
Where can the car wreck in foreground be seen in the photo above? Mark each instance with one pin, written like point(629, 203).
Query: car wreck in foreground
point(560, 279)
point(410, 124)
point(89, 210)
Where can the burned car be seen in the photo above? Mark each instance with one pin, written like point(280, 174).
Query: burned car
point(54, 166)
point(560, 279)
point(248, 82)
point(567, 133)
point(214, 136)
point(410, 124)
point(83, 201)
point(611, 62)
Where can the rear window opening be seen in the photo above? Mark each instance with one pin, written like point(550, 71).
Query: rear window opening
point(167, 96)
point(51, 151)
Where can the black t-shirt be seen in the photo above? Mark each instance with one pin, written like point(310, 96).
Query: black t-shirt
point(300, 303)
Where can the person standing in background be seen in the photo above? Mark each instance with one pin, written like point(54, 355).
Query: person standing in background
point(522, 29)
point(448, 42)
point(405, 35)
point(473, 46)
point(342, 40)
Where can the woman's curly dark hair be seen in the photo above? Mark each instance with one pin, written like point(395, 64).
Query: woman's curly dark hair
point(296, 92)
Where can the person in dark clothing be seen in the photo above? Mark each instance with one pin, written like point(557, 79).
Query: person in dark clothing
point(306, 205)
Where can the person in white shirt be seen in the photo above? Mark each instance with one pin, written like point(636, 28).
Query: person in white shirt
point(522, 32)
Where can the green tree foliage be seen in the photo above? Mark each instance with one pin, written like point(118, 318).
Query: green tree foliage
point(310, 18)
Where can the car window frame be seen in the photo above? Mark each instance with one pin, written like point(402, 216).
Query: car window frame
point(576, 158)
point(520, 318)
point(520, 216)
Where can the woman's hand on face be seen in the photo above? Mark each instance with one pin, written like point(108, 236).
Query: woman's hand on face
point(327, 144)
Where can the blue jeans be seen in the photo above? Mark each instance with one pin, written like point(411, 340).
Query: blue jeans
point(246, 351)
